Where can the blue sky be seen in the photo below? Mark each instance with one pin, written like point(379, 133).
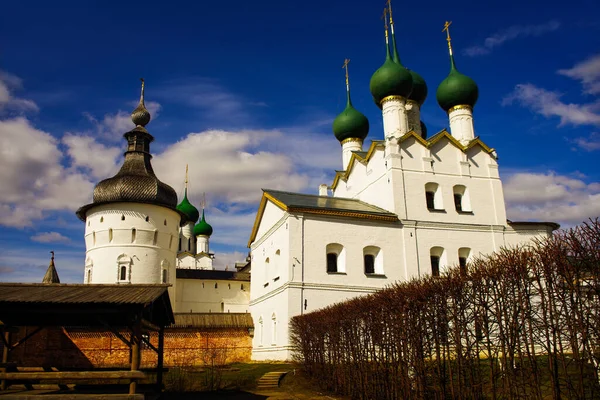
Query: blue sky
point(245, 93)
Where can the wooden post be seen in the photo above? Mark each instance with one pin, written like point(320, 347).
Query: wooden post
point(5, 350)
point(136, 339)
point(160, 362)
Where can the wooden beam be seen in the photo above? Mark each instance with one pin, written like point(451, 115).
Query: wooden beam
point(71, 375)
point(136, 338)
point(146, 340)
point(160, 361)
point(24, 339)
point(6, 340)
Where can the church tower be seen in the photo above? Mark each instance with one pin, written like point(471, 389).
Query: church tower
point(132, 225)
point(391, 86)
point(457, 95)
point(187, 241)
point(203, 231)
point(351, 127)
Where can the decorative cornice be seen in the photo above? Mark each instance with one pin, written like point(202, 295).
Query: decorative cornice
point(350, 140)
point(391, 98)
point(347, 214)
point(460, 107)
point(343, 174)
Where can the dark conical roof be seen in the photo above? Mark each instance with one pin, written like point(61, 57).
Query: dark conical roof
point(51, 275)
point(135, 182)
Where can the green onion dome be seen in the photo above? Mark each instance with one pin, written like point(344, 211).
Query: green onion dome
point(419, 90)
point(188, 209)
point(351, 123)
point(391, 79)
point(457, 89)
point(203, 228)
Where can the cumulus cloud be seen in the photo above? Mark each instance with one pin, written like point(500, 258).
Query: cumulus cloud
point(32, 176)
point(549, 104)
point(8, 84)
point(228, 260)
point(511, 33)
point(228, 165)
point(551, 197)
point(99, 160)
point(112, 126)
point(588, 72)
point(50, 237)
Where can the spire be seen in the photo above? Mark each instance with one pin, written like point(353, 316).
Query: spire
point(186, 181)
point(387, 40)
point(449, 40)
point(396, 58)
point(345, 66)
point(140, 116)
point(185, 206)
point(51, 275)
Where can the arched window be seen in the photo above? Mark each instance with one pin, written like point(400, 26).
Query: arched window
point(147, 218)
point(165, 223)
point(335, 258)
point(274, 332)
point(101, 219)
point(94, 238)
point(437, 256)
point(89, 264)
point(89, 275)
point(133, 233)
point(373, 260)
point(122, 217)
point(216, 285)
point(155, 239)
point(463, 258)
point(164, 265)
point(462, 203)
point(433, 196)
point(110, 235)
point(123, 268)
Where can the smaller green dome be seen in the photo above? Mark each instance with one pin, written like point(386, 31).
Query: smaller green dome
point(419, 91)
point(203, 228)
point(457, 89)
point(351, 123)
point(188, 209)
point(391, 79)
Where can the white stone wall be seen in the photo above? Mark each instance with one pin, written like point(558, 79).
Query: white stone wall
point(347, 148)
point(395, 120)
point(205, 295)
point(187, 239)
point(143, 238)
point(413, 113)
point(461, 123)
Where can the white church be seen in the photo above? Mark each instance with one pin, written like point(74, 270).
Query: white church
point(400, 208)
point(403, 207)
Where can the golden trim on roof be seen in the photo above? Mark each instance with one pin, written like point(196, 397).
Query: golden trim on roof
point(390, 98)
point(460, 107)
point(337, 213)
point(428, 143)
point(349, 140)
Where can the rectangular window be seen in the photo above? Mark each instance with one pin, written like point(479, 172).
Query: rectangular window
point(331, 262)
point(429, 198)
point(435, 266)
point(458, 202)
point(369, 264)
point(123, 273)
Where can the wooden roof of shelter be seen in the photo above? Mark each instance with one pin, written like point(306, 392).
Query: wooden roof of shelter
point(213, 320)
point(38, 304)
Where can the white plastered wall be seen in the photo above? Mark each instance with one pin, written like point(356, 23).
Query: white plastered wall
point(206, 295)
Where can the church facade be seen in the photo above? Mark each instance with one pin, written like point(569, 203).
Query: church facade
point(402, 208)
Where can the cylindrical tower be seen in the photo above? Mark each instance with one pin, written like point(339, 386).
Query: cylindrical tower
point(457, 95)
point(132, 225)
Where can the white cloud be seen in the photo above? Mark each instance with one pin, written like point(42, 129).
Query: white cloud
point(50, 237)
point(9, 83)
point(549, 104)
point(99, 160)
point(228, 260)
point(228, 165)
point(588, 72)
point(113, 126)
point(589, 143)
point(16, 268)
point(511, 33)
point(32, 177)
point(551, 197)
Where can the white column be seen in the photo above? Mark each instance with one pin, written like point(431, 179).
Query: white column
point(461, 123)
point(323, 190)
point(413, 114)
point(395, 121)
point(187, 238)
point(202, 242)
point(348, 146)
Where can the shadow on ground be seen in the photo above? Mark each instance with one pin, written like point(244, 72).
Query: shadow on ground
point(233, 395)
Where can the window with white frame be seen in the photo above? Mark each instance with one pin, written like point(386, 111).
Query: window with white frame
point(335, 258)
point(124, 268)
point(462, 202)
point(437, 256)
point(433, 196)
point(373, 260)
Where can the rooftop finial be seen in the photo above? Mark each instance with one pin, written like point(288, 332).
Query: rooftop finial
point(203, 201)
point(140, 116)
point(345, 66)
point(385, 26)
point(447, 30)
point(52, 257)
point(395, 56)
point(186, 175)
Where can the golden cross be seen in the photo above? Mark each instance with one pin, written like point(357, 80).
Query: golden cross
point(345, 66)
point(186, 175)
point(384, 18)
point(389, 4)
point(447, 30)
point(142, 96)
point(203, 200)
